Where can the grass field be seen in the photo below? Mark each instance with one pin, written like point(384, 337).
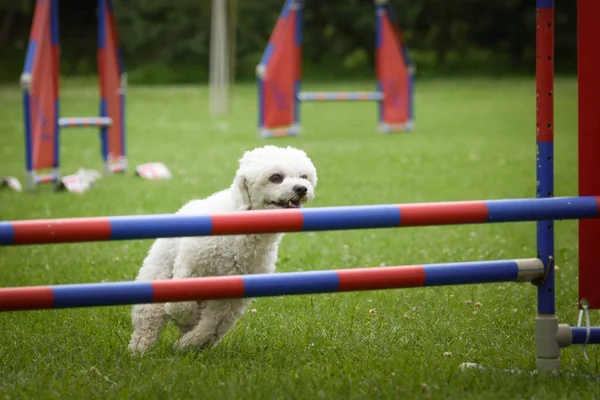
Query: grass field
point(474, 140)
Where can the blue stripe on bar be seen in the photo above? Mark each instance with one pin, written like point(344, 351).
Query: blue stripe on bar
point(29, 58)
point(7, 233)
point(544, 3)
point(579, 335)
point(144, 227)
point(101, 294)
point(353, 217)
point(541, 209)
point(290, 283)
point(470, 272)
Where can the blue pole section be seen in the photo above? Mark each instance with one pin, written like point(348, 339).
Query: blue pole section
point(580, 335)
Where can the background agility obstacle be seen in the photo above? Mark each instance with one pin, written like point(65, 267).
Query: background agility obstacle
point(41, 99)
point(280, 69)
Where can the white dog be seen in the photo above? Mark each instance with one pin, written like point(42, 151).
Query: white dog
point(268, 178)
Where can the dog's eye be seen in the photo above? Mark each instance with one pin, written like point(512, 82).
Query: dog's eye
point(303, 177)
point(276, 178)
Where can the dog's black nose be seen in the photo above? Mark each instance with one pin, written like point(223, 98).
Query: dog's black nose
point(300, 190)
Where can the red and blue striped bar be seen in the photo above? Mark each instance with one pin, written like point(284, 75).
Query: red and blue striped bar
point(580, 335)
point(84, 121)
point(267, 133)
point(45, 178)
point(340, 96)
point(264, 285)
point(295, 220)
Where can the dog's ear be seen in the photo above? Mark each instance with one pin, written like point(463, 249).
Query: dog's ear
point(241, 185)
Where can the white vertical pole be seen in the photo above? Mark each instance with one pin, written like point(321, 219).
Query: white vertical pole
point(219, 59)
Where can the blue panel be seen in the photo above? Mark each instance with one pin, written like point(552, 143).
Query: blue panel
point(104, 130)
point(541, 209)
point(54, 24)
point(261, 103)
point(378, 33)
point(544, 3)
point(290, 283)
point(285, 11)
point(30, 57)
point(7, 233)
point(56, 133)
point(267, 54)
point(298, 38)
point(355, 217)
point(297, 102)
point(102, 294)
point(101, 25)
point(122, 104)
point(28, 138)
point(156, 226)
point(579, 335)
point(470, 272)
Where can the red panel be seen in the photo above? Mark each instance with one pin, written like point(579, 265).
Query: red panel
point(57, 231)
point(257, 222)
point(381, 278)
point(589, 147)
point(443, 213)
point(44, 91)
point(545, 75)
point(209, 288)
point(281, 75)
point(392, 73)
point(110, 85)
point(26, 298)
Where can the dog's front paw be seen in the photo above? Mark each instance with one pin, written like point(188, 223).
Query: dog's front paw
point(183, 313)
point(139, 344)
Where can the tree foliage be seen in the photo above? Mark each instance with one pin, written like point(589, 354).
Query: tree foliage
point(168, 41)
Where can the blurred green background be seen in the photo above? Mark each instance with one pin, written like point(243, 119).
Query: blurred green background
point(166, 41)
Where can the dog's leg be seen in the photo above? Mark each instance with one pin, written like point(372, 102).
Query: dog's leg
point(218, 317)
point(148, 320)
point(184, 313)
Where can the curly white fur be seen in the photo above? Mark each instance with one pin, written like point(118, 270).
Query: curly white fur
point(268, 177)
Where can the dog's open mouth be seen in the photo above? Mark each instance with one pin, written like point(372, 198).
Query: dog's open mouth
point(287, 204)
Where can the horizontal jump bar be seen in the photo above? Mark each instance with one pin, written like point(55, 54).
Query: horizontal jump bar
point(130, 227)
point(263, 285)
point(84, 121)
point(580, 334)
point(340, 96)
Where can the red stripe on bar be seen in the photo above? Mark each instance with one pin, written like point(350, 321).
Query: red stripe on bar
point(257, 222)
point(26, 298)
point(217, 287)
point(545, 74)
point(443, 213)
point(381, 278)
point(57, 231)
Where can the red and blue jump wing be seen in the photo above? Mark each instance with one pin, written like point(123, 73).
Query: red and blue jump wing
point(110, 67)
point(40, 83)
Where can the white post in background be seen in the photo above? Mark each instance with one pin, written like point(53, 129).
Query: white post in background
point(219, 59)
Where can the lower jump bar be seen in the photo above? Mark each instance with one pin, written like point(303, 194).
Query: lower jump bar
point(70, 230)
point(263, 285)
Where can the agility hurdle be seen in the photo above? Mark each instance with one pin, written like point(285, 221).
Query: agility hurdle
point(41, 101)
point(129, 227)
point(280, 68)
point(549, 334)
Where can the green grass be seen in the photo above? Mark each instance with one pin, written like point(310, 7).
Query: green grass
point(474, 140)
